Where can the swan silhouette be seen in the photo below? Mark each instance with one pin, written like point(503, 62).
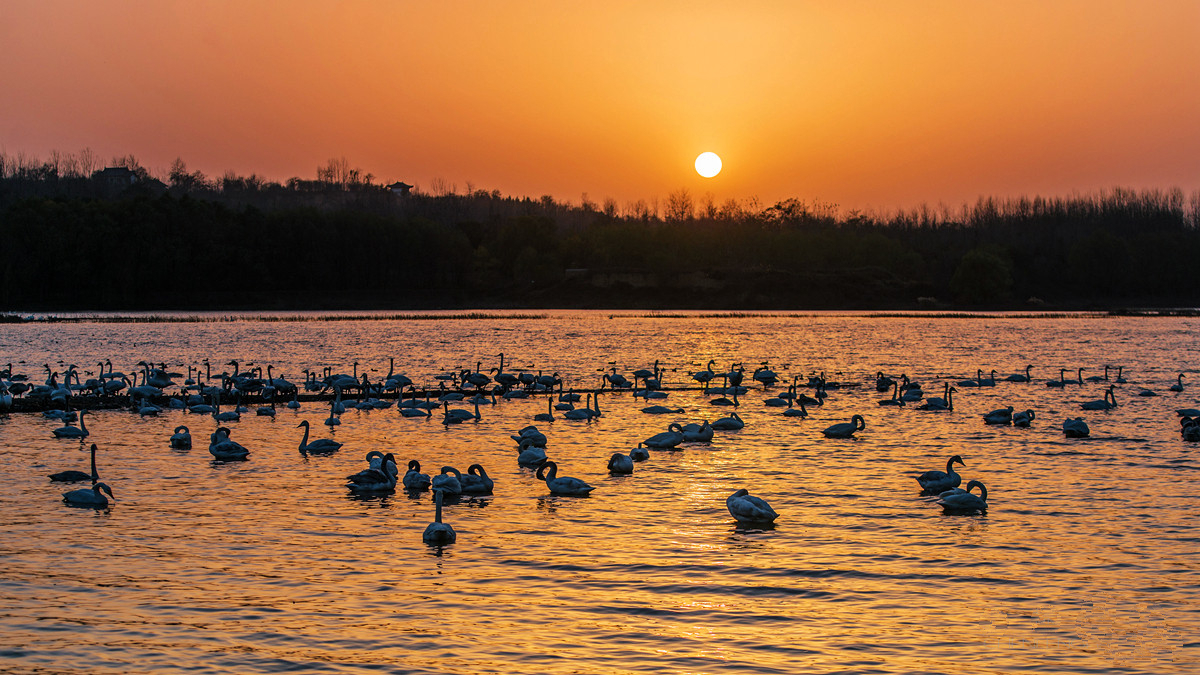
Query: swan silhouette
point(731, 423)
point(89, 497)
point(181, 439)
point(225, 449)
point(670, 438)
point(530, 454)
point(320, 446)
point(476, 481)
point(438, 533)
point(935, 482)
point(1017, 377)
point(413, 478)
point(846, 429)
point(1076, 428)
point(945, 403)
point(1107, 403)
point(964, 501)
point(1022, 419)
point(69, 431)
point(448, 481)
point(640, 453)
point(698, 433)
point(748, 509)
point(74, 476)
point(999, 416)
point(562, 485)
point(620, 463)
point(379, 476)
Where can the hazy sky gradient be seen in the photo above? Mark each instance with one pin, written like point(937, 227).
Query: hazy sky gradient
point(872, 105)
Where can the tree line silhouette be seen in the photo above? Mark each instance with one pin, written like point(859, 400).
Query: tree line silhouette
point(74, 240)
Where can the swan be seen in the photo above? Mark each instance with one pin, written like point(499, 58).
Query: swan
point(934, 482)
point(731, 423)
point(620, 464)
point(1060, 382)
point(181, 439)
point(321, 446)
point(965, 501)
point(224, 449)
point(640, 453)
point(531, 435)
point(795, 412)
point(1099, 378)
point(1188, 412)
point(846, 429)
point(999, 416)
point(698, 433)
point(476, 481)
point(1022, 419)
point(1120, 379)
point(564, 485)
point(547, 416)
point(376, 478)
point(726, 401)
point(1075, 428)
point(69, 431)
point(1107, 403)
point(1178, 386)
point(1017, 377)
point(448, 481)
point(294, 404)
point(670, 438)
point(531, 455)
point(90, 497)
point(944, 403)
point(989, 382)
point(705, 376)
point(895, 399)
point(72, 475)
point(584, 413)
point(661, 410)
point(438, 533)
point(413, 478)
point(748, 509)
point(1189, 429)
point(883, 382)
point(1147, 392)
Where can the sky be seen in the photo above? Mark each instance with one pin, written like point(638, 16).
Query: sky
point(869, 105)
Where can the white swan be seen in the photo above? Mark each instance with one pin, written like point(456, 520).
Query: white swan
point(69, 431)
point(413, 478)
point(562, 485)
point(846, 429)
point(620, 463)
point(748, 509)
point(320, 446)
point(181, 439)
point(72, 475)
point(476, 481)
point(1076, 428)
point(965, 501)
point(934, 482)
point(438, 533)
point(670, 438)
point(90, 497)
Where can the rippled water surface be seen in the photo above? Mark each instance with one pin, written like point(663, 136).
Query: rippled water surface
point(1085, 562)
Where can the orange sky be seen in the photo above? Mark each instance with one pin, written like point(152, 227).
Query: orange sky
point(872, 105)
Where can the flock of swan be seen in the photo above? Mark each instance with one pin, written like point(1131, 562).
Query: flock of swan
point(201, 394)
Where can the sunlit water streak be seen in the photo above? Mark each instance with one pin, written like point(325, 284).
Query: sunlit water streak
point(1086, 561)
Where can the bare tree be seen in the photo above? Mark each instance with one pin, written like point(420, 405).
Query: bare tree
point(680, 206)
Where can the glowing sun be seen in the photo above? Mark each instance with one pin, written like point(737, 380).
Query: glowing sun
point(708, 164)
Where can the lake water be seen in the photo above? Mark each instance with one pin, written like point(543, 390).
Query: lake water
point(1086, 560)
